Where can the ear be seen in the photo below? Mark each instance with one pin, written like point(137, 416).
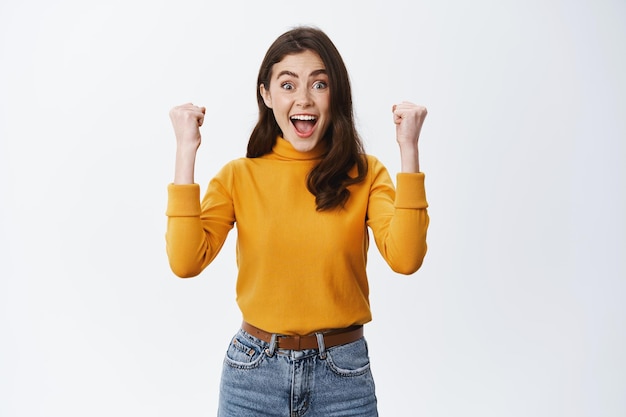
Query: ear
point(267, 98)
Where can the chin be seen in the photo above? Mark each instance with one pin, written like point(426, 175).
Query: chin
point(303, 145)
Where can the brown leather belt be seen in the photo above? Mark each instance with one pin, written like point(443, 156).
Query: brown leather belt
point(331, 338)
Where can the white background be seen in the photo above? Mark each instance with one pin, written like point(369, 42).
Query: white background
point(519, 307)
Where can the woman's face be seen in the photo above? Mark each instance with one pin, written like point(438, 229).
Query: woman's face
point(299, 96)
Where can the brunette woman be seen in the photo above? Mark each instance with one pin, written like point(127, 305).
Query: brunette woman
point(302, 200)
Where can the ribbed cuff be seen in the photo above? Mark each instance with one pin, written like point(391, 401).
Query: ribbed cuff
point(410, 191)
point(183, 200)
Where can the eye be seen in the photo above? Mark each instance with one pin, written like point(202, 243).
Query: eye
point(320, 85)
point(287, 86)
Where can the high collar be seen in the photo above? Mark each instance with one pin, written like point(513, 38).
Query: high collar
point(283, 150)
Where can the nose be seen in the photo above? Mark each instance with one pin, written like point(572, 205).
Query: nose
point(303, 98)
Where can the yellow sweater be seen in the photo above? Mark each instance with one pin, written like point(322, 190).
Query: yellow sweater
point(300, 270)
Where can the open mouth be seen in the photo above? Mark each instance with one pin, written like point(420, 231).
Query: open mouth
point(304, 123)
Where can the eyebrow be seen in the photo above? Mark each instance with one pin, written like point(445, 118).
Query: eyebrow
point(293, 74)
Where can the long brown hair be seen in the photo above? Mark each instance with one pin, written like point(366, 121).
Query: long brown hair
point(328, 180)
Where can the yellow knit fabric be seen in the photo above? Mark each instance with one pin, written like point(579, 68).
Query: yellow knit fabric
point(300, 270)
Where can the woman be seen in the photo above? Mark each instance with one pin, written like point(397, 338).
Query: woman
point(302, 200)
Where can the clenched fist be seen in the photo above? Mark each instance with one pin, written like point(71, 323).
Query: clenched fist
point(186, 120)
point(408, 118)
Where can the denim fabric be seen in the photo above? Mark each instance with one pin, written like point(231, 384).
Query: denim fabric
point(259, 380)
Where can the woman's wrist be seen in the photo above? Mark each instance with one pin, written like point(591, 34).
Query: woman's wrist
point(184, 168)
point(409, 157)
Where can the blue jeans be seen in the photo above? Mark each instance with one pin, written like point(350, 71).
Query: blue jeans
point(260, 380)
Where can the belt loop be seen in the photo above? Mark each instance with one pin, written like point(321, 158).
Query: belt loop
point(320, 345)
point(272, 348)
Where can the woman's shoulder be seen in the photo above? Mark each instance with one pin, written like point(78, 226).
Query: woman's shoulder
point(371, 159)
point(239, 167)
point(237, 164)
point(374, 164)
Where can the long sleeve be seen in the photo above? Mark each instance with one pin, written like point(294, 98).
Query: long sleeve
point(196, 232)
point(399, 218)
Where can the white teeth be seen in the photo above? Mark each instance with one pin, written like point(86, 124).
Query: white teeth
point(303, 117)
